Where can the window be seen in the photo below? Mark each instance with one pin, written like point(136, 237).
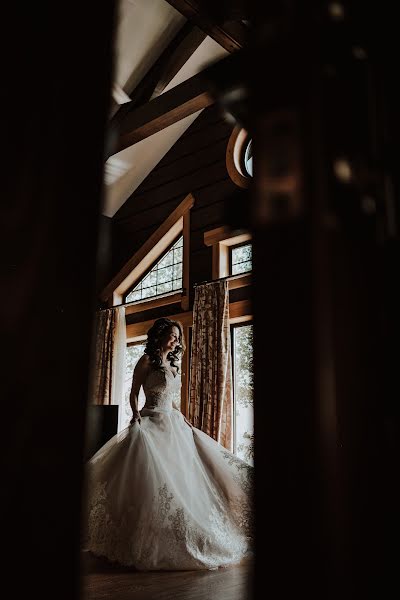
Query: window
point(242, 363)
point(248, 159)
point(240, 259)
point(164, 277)
point(239, 157)
point(231, 253)
point(133, 353)
point(130, 285)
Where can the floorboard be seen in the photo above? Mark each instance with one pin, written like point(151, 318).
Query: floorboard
point(102, 581)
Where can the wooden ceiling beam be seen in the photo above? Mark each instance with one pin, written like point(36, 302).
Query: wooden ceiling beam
point(172, 106)
point(177, 59)
point(194, 94)
point(171, 60)
point(231, 35)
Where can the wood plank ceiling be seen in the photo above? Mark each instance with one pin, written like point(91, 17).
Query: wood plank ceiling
point(136, 119)
point(152, 107)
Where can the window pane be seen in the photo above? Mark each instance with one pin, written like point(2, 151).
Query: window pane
point(133, 353)
point(243, 267)
point(248, 159)
point(146, 282)
point(167, 260)
point(241, 259)
point(133, 296)
point(152, 277)
point(163, 288)
point(178, 255)
point(177, 284)
point(164, 277)
point(243, 392)
point(150, 291)
point(164, 274)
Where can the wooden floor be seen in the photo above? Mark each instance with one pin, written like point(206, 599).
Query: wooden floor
point(102, 581)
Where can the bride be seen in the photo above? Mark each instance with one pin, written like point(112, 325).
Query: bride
point(161, 493)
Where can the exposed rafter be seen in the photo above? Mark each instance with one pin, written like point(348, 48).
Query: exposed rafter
point(194, 94)
point(179, 57)
point(231, 35)
point(172, 59)
point(172, 106)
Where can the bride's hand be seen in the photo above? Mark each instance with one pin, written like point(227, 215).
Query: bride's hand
point(135, 417)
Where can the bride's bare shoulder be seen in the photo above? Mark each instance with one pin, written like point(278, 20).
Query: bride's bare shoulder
point(143, 364)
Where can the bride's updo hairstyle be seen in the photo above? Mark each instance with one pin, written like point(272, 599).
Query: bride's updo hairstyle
point(155, 337)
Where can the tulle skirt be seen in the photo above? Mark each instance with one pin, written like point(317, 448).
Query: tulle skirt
point(165, 496)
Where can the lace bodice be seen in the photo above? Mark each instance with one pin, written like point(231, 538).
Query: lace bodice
point(161, 389)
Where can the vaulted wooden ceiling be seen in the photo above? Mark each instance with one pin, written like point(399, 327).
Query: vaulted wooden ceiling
point(165, 52)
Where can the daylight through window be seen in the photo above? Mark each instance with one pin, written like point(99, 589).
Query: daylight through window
point(164, 277)
point(241, 259)
point(133, 353)
point(242, 355)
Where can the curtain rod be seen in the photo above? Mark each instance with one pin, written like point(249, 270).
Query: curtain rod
point(228, 277)
point(183, 290)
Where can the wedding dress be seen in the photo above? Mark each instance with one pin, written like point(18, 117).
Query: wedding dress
point(165, 496)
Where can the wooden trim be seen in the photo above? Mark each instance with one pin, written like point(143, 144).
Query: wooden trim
point(193, 38)
point(240, 311)
point(223, 259)
point(231, 35)
point(228, 236)
point(149, 252)
point(240, 282)
point(172, 59)
point(137, 339)
point(234, 152)
point(217, 259)
point(135, 331)
point(220, 239)
point(181, 101)
point(153, 303)
point(186, 260)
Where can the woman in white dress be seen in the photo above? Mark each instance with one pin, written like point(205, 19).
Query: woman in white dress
point(163, 495)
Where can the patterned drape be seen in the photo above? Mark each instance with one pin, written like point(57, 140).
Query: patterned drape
point(210, 398)
point(109, 365)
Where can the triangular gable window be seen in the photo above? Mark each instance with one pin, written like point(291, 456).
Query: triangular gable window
point(164, 277)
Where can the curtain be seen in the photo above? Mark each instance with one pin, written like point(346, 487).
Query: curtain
point(210, 395)
point(110, 348)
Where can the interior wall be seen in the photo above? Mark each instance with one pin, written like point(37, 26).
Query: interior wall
point(195, 164)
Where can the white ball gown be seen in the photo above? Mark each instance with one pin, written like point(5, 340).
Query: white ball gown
point(165, 496)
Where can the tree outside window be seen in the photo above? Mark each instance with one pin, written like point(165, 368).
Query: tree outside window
point(133, 353)
point(242, 354)
point(241, 259)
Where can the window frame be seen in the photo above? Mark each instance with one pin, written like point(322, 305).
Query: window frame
point(220, 240)
point(231, 249)
point(235, 157)
point(233, 326)
point(165, 295)
point(178, 223)
point(137, 342)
